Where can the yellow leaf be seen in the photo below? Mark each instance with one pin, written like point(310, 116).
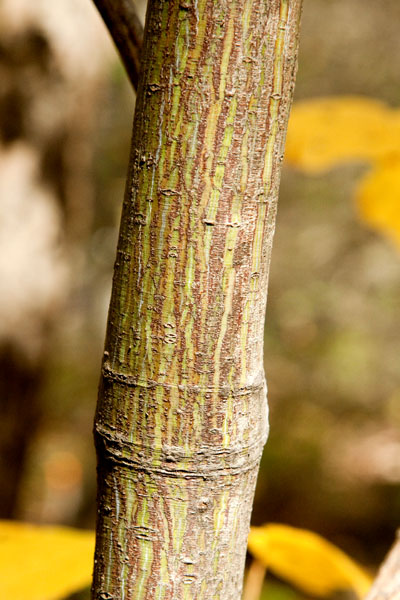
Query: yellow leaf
point(306, 560)
point(43, 563)
point(378, 199)
point(324, 132)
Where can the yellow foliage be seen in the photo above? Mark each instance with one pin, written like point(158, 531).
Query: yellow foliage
point(48, 563)
point(306, 560)
point(378, 199)
point(326, 131)
point(43, 563)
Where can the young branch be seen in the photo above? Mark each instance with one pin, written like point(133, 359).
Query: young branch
point(182, 412)
point(126, 31)
point(387, 584)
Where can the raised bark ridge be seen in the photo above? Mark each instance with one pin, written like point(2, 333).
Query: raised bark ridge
point(182, 412)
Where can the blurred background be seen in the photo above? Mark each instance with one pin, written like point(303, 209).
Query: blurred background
point(332, 341)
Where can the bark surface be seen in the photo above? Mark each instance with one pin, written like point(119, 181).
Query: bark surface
point(182, 412)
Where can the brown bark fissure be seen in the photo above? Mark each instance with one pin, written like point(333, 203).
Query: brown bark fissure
point(182, 413)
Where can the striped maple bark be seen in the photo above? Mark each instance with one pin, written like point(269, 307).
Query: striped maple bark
point(182, 411)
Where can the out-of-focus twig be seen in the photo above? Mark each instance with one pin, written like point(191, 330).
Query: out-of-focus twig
point(387, 583)
point(126, 31)
point(254, 581)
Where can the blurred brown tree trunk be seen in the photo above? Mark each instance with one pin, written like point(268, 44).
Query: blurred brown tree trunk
point(182, 413)
point(47, 101)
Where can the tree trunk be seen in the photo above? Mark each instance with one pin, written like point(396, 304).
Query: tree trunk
point(182, 412)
